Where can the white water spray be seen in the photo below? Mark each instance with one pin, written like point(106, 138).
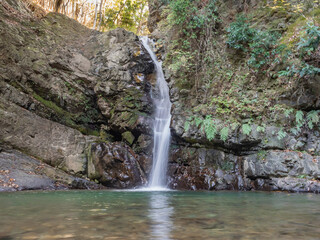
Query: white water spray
point(161, 129)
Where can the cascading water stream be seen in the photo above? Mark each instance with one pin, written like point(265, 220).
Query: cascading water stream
point(161, 129)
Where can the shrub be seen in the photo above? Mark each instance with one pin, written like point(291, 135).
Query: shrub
point(261, 46)
point(311, 39)
point(240, 34)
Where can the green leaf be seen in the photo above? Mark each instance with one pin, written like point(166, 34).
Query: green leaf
point(295, 131)
point(299, 117)
point(209, 127)
point(187, 126)
point(260, 129)
point(224, 133)
point(287, 112)
point(281, 134)
point(246, 129)
point(198, 121)
point(234, 125)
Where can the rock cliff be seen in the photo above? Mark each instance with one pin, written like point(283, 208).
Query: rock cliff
point(266, 157)
point(66, 93)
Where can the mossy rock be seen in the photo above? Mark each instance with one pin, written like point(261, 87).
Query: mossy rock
point(128, 137)
point(293, 34)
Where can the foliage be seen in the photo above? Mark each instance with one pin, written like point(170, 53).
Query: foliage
point(186, 14)
point(187, 126)
point(209, 127)
point(308, 70)
point(198, 121)
point(308, 44)
point(262, 155)
point(231, 91)
point(128, 14)
point(260, 45)
point(246, 129)
point(193, 24)
point(240, 34)
point(106, 14)
point(224, 133)
point(313, 118)
point(311, 39)
point(299, 118)
point(281, 134)
point(287, 112)
point(263, 48)
point(261, 129)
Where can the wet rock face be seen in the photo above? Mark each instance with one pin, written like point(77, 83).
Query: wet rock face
point(115, 165)
point(206, 169)
point(268, 163)
point(209, 169)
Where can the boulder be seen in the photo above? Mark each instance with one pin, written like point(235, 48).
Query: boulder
point(115, 165)
point(21, 172)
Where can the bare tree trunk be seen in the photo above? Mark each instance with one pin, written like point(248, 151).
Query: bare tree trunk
point(95, 16)
point(100, 15)
point(77, 11)
point(57, 5)
point(73, 9)
point(118, 13)
point(140, 19)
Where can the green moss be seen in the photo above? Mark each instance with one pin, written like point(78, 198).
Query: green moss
point(86, 131)
point(51, 105)
point(227, 166)
point(125, 116)
point(293, 34)
point(133, 119)
point(66, 117)
point(128, 137)
point(262, 155)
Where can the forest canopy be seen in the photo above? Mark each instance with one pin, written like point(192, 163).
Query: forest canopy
point(102, 15)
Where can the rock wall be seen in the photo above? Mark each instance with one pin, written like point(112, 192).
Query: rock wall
point(67, 91)
point(260, 160)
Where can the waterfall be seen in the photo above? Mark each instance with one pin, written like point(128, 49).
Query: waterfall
point(161, 129)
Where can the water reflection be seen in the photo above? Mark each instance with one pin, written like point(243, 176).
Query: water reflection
point(160, 213)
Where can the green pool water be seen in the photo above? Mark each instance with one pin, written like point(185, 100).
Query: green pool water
point(159, 215)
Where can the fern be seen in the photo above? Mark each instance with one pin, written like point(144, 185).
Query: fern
point(312, 117)
point(224, 133)
point(198, 121)
point(281, 134)
point(209, 127)
point(187, 126)
point(295, 131)
point(234, 125)
point(299, 117)
point(287, 112)
point(261, 129)
point(246, 129)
